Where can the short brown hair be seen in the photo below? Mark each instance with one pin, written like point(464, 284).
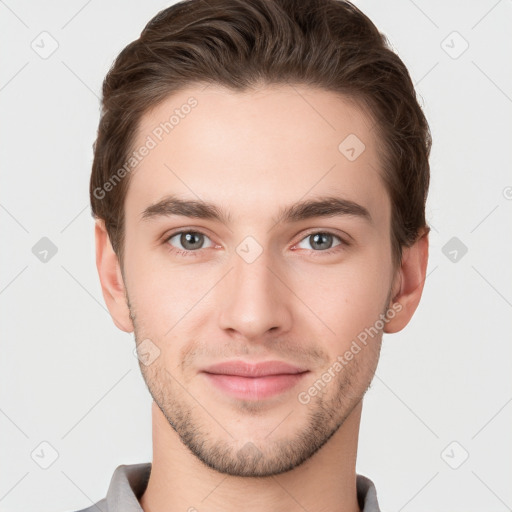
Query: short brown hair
point(329, 44)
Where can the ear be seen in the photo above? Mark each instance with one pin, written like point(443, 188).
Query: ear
point(408, 284)
point(112, 285)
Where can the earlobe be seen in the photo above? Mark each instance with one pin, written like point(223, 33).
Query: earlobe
point(111, 279)
point(408, 285)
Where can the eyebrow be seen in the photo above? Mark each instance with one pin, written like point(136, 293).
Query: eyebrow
point(325, 206)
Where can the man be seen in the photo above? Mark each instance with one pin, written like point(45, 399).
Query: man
point(259, 187)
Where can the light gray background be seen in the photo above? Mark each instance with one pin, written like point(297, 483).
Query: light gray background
point(69, 377)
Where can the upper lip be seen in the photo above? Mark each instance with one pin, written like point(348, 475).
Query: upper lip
point(244, 369)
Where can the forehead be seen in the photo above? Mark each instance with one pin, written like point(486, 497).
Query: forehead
point(256, 149)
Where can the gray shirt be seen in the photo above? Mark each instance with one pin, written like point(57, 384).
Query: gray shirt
point(129, 482)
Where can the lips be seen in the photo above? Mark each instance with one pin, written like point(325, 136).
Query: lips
point(263, 369)
point(254, 382)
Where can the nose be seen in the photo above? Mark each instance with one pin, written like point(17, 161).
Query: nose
point(255, 299)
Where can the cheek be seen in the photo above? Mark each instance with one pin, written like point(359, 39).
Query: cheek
point(348, 297)
point(154, 298)
point(163, 295)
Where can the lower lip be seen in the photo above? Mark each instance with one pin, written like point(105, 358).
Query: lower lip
point(255, 388)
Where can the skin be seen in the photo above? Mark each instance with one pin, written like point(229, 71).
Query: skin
point(253, 153)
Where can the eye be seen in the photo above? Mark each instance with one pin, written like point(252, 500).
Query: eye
point(189, 241)
point(321, 241)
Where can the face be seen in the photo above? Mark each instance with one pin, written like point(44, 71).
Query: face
point(251, 235)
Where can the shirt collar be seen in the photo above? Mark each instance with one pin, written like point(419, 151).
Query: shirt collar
point(127, 486)
point(129, 482)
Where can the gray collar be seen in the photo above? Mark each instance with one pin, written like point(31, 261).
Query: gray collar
point(129, 482)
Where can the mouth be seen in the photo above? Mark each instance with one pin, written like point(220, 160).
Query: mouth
point(254, 381)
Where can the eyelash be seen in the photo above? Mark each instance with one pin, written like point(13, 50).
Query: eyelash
point(182, 252)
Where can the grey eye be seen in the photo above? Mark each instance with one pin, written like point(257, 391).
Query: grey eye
point(189, 240)
point(320, 241)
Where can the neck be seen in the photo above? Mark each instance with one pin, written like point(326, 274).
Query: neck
point(180, 481)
